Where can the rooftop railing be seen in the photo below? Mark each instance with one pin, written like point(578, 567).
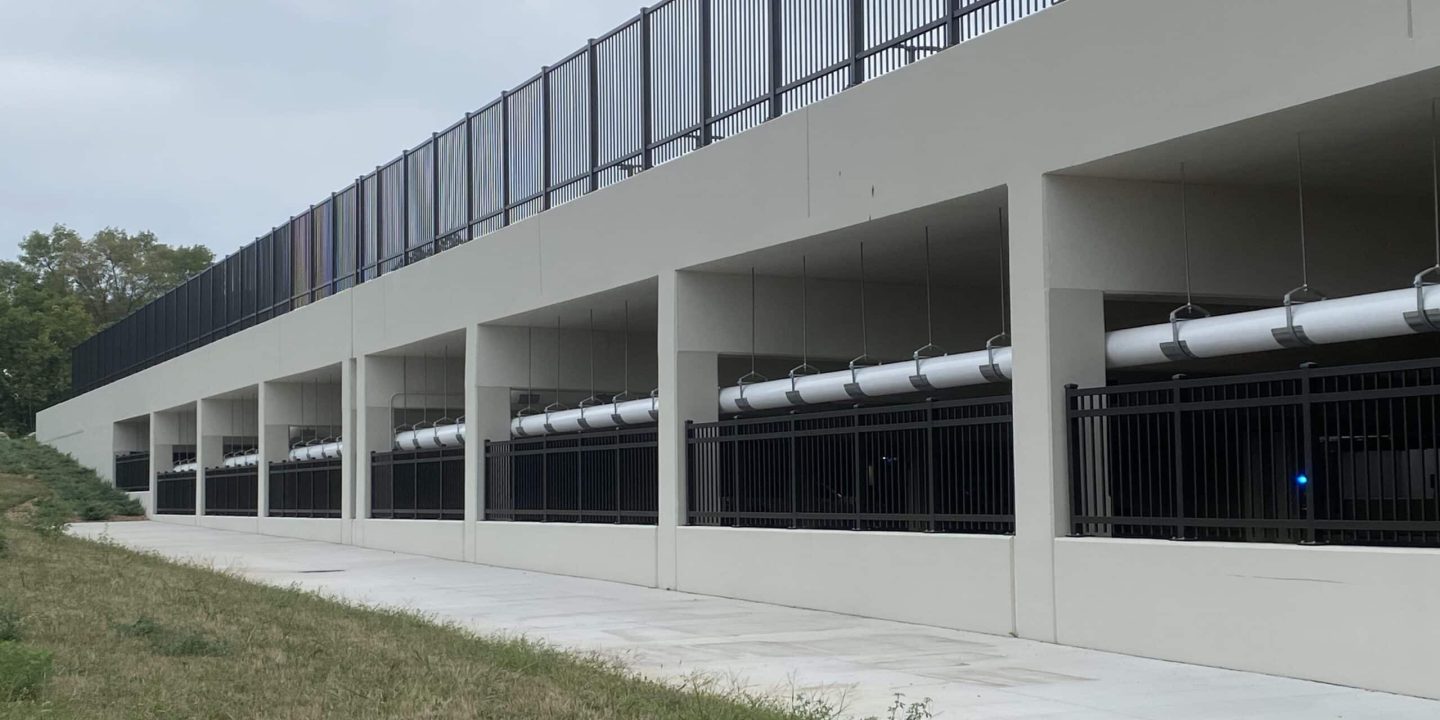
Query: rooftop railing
point(680, 76)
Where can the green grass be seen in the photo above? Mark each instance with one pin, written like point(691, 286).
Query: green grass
point(129, 635)
point(77, 490)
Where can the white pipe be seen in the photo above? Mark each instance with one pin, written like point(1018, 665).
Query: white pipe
point(187, 466)
point(431, 438)
point(594, 417)
point(245, 460)
point(1359, 317)
point(906, 376)
point(318, 451)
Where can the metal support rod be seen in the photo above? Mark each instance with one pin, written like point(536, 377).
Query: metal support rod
point(1300, 187)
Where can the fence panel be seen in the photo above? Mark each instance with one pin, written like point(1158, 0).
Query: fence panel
point(928, 467)
point(418, 485)
point(175, 493)
point(232, 491)
point(608, 476)
point(132, 472)
point(1346, 455)
point(305, 489)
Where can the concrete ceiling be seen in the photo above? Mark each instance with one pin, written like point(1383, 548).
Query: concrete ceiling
point(1373, 141)
point(965, 243)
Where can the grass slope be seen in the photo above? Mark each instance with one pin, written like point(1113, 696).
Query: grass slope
point(134, 636)
point(76, 489)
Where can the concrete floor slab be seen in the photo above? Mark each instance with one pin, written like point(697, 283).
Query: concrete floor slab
point(672, 635)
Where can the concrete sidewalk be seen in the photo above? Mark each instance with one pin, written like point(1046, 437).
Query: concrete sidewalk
point(671, 635)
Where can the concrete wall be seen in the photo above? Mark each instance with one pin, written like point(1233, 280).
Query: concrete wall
point(1353, 616)
point(623, 553)
point(955, 581)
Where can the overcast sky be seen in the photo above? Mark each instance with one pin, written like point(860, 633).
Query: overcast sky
point(209, 122)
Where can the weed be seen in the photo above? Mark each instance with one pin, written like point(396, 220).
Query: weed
point(901, 710)
point(172, 642)
point(9, 623)
point(23, 671)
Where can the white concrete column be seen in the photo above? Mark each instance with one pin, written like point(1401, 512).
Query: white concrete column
point(164, 432)
point(1059, 338)
point(210, 431)
point(495, 362)
point(474, 446)
point(348, 452)
point(688, 392)
point(377, 379)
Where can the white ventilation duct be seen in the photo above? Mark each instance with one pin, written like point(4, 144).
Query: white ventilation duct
point(187, 466)
point(593, 417)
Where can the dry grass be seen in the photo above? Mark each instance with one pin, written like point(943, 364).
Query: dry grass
point(134, 636)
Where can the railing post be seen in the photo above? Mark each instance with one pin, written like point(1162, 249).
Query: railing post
point(1308, 491)
point(645, 90)
point(952, 23)
point(504, 158)
point(1177, 438)
point(469, 176)
point(706, 101)
point(794, 500)
point(379, 221)
point(615, 450)
point(857, 42)
point(930, 464)
point(859, 472)
point(544, 138)
point(435, 228)
point(404, 208)
point(545, 478)
point(777, 74)
point(359, 249)
point(593, 109)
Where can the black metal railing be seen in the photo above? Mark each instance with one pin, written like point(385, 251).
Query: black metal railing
point(305, 489)
point(175, 493)
point(680, 76)
point(418, 484)
point(132, 472)
point(232, 491)
point(609, 476)
point(1345, 455)
point(928, 467)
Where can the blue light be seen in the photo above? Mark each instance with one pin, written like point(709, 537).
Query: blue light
point(1302, 480)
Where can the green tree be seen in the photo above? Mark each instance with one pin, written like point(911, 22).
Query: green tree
point(40, 324)
point(63, 289)
point(113, 273)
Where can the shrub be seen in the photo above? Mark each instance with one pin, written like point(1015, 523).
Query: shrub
point(49, 518)
point(79, 490)
point(23, 671)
